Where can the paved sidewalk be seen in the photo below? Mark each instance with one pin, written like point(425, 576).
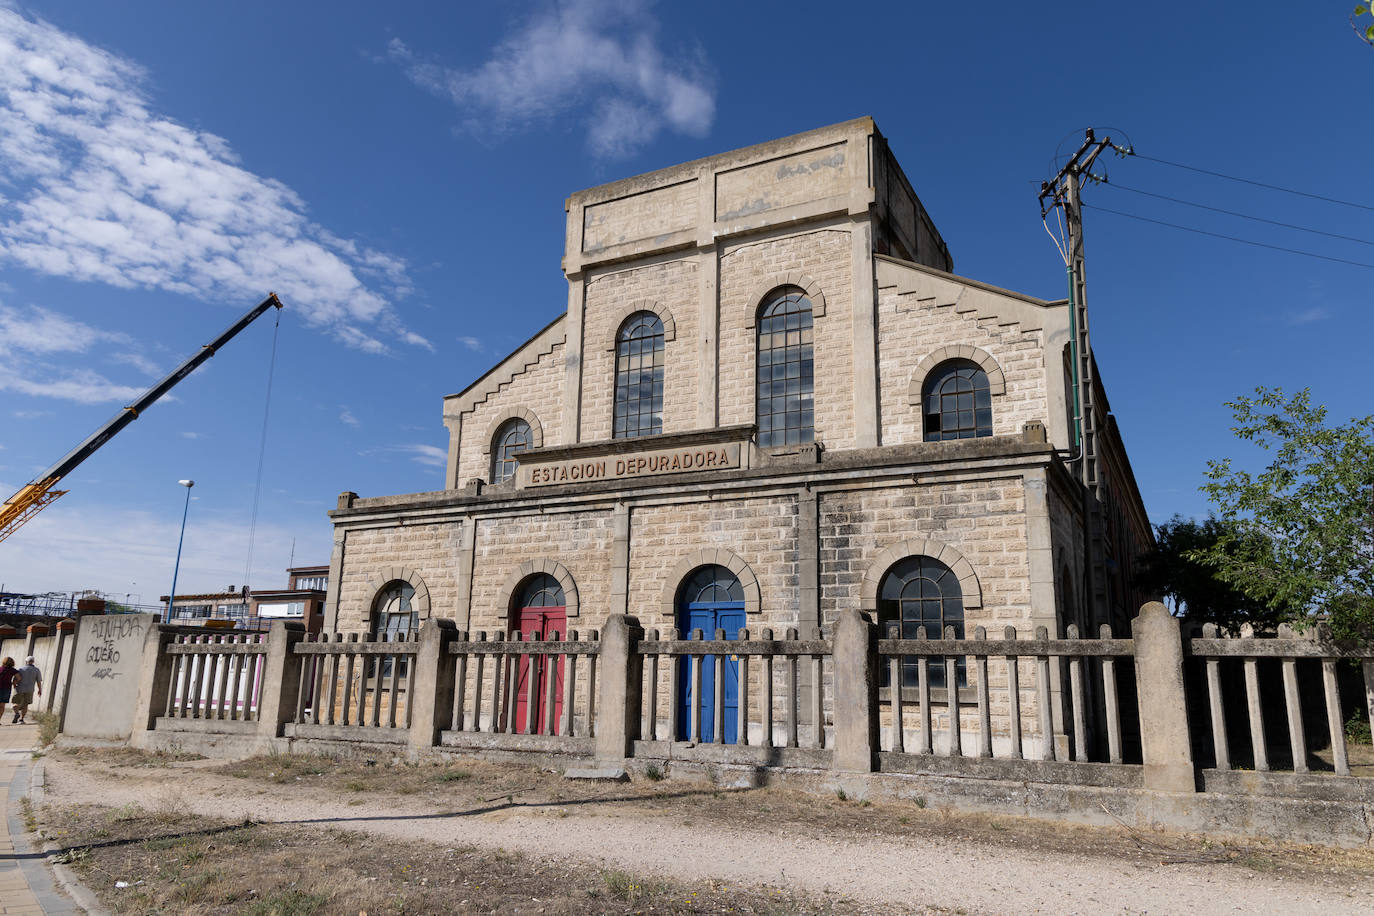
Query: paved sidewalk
point(26, 884)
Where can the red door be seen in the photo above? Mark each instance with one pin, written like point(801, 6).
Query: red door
point(539, 623)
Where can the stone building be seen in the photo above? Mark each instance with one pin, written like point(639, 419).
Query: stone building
point(769, 399)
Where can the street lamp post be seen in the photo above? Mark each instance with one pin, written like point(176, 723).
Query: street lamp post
point(172, 596)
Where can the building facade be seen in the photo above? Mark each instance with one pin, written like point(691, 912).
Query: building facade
point(769, 399)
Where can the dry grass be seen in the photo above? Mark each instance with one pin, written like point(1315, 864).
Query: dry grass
point(194, 865)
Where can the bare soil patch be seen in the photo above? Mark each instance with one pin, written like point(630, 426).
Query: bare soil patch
point(140, 861)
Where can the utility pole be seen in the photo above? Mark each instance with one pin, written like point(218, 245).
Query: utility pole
point(1064, 190)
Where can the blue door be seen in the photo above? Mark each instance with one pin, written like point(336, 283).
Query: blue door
point(710, 599)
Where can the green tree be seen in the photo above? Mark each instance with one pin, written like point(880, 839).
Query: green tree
point(1195, 589)
point(1300, 535)
point(1360, 22)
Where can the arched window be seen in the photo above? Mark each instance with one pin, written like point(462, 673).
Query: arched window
point(957, 402)
point(786, 370)
point(393, 617)
point(513, 436)
point(542, 590)
point(639, 377)
point(921, 592)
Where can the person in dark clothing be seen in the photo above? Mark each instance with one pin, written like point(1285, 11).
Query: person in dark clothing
point(7, 673)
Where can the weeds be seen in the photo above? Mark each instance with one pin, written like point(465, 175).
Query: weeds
point(841, 795)
point(653, 773)
point(453, 776)
point(47, 727)
point(1357, 728)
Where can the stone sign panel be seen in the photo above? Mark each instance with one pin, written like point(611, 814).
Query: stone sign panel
point(102, 685)
point(636, 464)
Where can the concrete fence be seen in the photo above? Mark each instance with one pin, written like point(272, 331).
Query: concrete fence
point(1159, 711)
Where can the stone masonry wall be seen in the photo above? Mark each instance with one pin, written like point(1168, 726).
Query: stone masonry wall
point(581, 541)
point(432, 551)
point(609, 297)
point(761, 531)
point(907, 333)
point(538, 389)
point(746, 270)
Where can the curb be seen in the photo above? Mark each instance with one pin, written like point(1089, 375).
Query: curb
point(65, 878)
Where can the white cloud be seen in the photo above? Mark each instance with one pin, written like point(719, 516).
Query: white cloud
point(428, 455)
point(472, 343)
point(600, 58)
point(27, 338)
point(31, 414)
point(138, 361)
point(1309, 316)
point(83, 545)
point(189, 435)
point(99, 187)
point(346, 416)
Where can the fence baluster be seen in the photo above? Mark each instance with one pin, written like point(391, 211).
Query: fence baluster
point(984, 713)
point(817, 705)
point(460, 686)
point(923, 698)
point(569, 726)
point(1221, 747)
point(766, 697)
point(743, 716)
point(503, 687)
point(238, 662)
point(197, 696)
point(1080, 716)
point(348, 679)
point(1296, 739)
point(648, 727)
point(1111, 701)
point(792, 690)
point(221, 674)
point(591, 687)
point(695, 712)
point(1013, 697)
point(395, 677)
point(551, 686)
point(1333, 718)
point(411, 663)
point(718, 732)
point(1042, 690)
point(378, 665)
point(477, 686)
point(956, 738)
point(302, 686)
point(172, 686)
point(333, 659)
point(894, 681)
point(674, 691)
point(1258, 746)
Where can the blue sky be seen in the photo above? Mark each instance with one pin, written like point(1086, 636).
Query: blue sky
point(397, 172)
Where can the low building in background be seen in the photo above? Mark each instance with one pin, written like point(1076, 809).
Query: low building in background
point(302, 600)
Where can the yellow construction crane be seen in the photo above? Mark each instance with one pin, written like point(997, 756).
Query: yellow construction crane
point(40, 492)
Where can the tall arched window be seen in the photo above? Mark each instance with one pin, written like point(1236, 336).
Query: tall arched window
point(513, 436)
point(639, 377)
point(921, 592)
point(957, 402)
point(786, 369)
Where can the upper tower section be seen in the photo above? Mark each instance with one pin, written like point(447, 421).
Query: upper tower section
point(846, 169)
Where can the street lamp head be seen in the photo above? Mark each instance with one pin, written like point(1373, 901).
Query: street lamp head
point(188, 484)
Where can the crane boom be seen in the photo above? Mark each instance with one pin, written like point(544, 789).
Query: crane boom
point(38, 493)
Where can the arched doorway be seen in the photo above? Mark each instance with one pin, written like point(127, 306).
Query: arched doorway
point(540, 611)
point(710, 598)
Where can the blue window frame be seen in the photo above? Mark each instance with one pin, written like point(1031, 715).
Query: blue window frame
point(784, 402)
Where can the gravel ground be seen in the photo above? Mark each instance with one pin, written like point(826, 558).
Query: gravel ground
point(1026, 872)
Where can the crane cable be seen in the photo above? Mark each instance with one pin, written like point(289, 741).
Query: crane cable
point(262, 454)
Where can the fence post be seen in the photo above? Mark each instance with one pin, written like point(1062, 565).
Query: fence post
point(281, 678)
point(1164, 740)
point(431, 708)
point(618, 701)
point(154, 684)
point(855, 653)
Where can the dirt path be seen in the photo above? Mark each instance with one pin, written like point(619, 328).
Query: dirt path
point(944, 871)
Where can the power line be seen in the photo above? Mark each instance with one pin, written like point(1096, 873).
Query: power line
point(1258, 219)
point(1231, 238)
point(1258, 184)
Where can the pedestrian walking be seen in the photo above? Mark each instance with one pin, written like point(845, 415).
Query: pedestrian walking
point(27, 680)
point(7, 673)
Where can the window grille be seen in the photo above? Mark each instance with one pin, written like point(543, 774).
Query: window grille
point(921, 592)
point(513, 436)
point(957, 402)
point(786, 370)
point(639, 377)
